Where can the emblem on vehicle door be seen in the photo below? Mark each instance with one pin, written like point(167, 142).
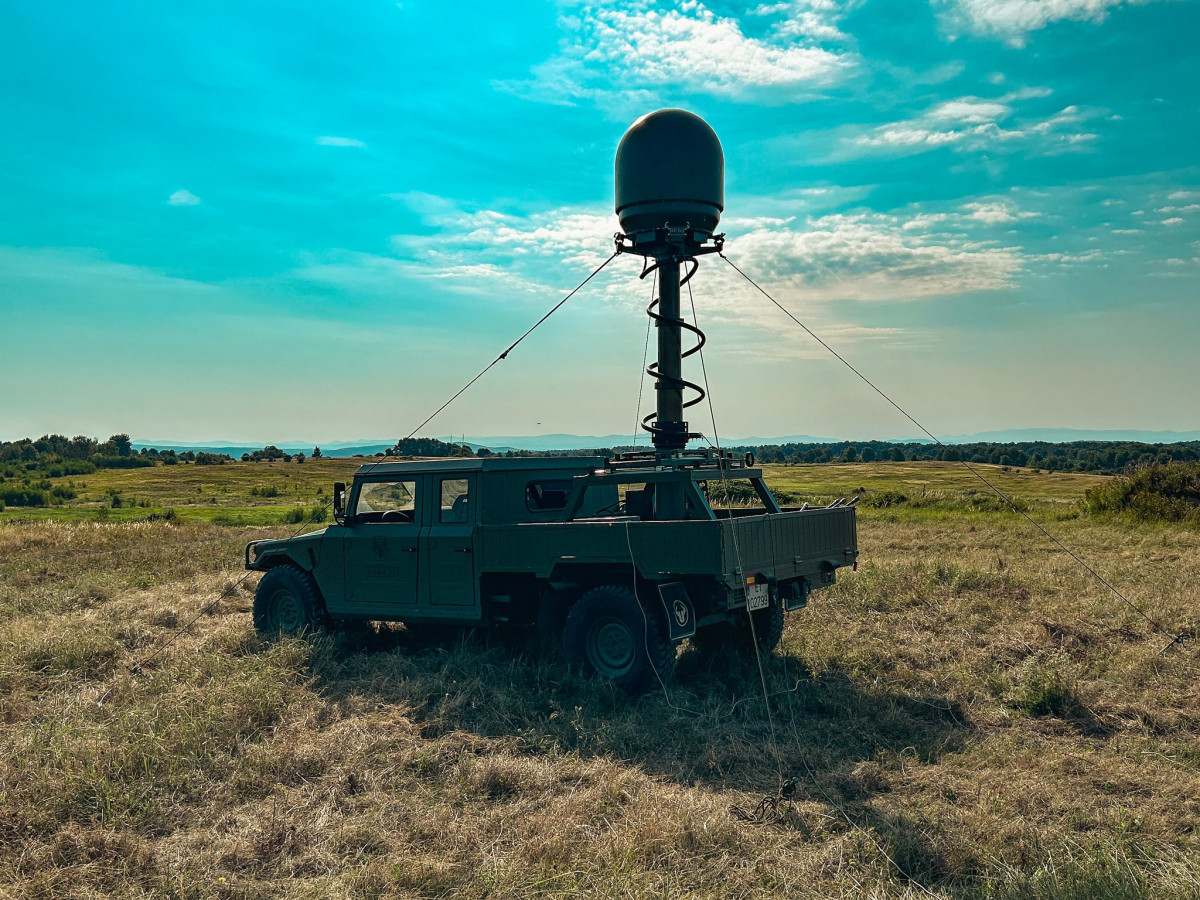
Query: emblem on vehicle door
point(681, 613)
point(379, 548)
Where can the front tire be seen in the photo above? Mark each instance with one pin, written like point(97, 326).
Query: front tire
point(287, 601)
point(609, 634)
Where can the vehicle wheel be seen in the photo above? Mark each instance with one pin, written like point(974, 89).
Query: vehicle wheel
point(608, 634)
point(768, 628)
point(288, 602)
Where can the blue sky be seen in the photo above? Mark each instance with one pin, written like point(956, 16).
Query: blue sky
point(264, 222)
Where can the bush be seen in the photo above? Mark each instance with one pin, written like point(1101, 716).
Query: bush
point(1165, 492)
point(302, 514)
point(884, 499)
point(23, 497)
point(101, 461)
point(70, 467)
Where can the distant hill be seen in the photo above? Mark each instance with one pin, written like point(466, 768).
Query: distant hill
point(1067, 435)
point(236, 450)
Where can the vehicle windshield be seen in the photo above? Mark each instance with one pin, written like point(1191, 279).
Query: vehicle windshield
point(387, 501)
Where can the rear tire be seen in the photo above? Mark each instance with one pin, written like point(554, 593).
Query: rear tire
point(737, 635)
point(768, 627)
point(609, 634)
point(287, 601)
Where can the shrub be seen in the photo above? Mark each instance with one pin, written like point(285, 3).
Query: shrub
point(23, 497)
point(884, 499)
point(101, 461)
point(1166, 492)
point(70, 467)
point(302, 514)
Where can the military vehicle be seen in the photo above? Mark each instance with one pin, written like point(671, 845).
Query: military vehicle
point(621, 557)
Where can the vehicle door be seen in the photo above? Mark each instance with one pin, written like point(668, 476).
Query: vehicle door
point(382, 546)
point(449, 544)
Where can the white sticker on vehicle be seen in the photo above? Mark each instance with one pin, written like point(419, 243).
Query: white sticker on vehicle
point(758, 596)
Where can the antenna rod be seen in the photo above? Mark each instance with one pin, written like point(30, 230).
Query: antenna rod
point(670, 429)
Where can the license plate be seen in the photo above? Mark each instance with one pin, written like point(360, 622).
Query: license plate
point(758, 596)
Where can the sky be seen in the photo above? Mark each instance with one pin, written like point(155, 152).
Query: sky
point(310, 221)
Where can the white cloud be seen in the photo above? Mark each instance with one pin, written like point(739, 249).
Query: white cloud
point(969, 111)
point(1012, 20)
point(331, 141)
point(635, 50)
point(1184, 195)
point(863, 256)
point(972, 124)
point(1172, 222)
point(183, 198)
point(874, 256)
point(996, 212)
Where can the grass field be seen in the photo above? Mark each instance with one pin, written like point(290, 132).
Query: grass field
point(968, 715)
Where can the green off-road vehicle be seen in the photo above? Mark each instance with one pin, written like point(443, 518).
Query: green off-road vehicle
point(622, 558)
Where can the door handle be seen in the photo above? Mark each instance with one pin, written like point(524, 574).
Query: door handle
point(463, 550)
point(409, 549)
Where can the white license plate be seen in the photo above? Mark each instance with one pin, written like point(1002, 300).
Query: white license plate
point(758, 596)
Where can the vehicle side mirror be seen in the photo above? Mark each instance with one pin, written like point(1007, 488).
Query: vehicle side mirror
point(339, 502)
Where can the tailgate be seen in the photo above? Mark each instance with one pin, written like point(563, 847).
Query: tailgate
point(791, 544)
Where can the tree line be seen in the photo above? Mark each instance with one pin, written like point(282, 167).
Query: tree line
point(1101, 457)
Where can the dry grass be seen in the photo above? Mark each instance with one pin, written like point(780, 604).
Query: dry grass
point(969, 715)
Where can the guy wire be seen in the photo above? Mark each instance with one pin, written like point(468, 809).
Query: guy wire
point(1175, 639)
point(812, 776)
point(319, 512)
point(737, 552)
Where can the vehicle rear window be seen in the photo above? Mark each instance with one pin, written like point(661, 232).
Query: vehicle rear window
point(541, 496)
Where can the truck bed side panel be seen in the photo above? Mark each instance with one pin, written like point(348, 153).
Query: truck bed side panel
point(662, 549)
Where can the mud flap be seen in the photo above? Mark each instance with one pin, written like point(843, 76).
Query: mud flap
point(794, 595)
point(681, 617)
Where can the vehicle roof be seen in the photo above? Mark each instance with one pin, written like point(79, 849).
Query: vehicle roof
point(482, 464)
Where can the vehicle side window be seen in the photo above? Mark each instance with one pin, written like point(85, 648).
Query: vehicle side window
point(547, 495)
point(454, 500)
point(387, 501)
